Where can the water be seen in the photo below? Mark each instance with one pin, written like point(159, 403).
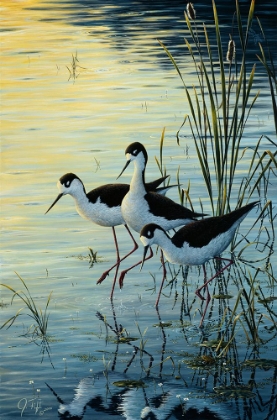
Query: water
point(57, 120)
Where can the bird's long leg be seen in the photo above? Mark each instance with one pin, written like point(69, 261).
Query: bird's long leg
point(206, 307)
point(230, 262)
point(115, 277)
point(123, 273)
point(164, 277)
point(118, 261)
point(208, 298)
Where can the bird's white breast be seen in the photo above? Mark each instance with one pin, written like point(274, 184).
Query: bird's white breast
point(99, 212)
point(137, 213)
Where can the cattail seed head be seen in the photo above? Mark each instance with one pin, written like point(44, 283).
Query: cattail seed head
point(231, 51)
point(191, 12)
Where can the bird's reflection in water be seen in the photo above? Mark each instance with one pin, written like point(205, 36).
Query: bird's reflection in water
point(146, 398)
point(138, 397)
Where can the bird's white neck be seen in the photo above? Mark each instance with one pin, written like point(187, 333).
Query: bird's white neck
point(169, 249)
point(137, 185)
point(78, 192)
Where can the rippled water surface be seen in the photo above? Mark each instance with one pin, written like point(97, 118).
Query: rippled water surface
point(80, 81)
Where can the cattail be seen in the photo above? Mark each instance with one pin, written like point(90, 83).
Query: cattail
point(191, 12)
point(231, 51)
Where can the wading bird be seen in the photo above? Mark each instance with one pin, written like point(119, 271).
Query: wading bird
point(196, 243)
point(102, 206)
point(140, 207)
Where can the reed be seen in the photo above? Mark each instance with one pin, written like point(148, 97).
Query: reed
point(39, 316)
point(220, 105)
point(267, 60)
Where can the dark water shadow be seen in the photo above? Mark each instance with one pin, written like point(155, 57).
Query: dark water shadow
point(136, 25)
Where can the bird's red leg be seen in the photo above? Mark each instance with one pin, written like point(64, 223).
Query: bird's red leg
point(208, 298)
point(164, 277)
point(117, 265)
point(114, 281)
point(206, 307)
point(123, 273)
point(230, 262)
point(118, 261)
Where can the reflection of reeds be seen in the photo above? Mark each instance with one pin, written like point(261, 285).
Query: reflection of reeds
point(220, 105)
point(120, 332)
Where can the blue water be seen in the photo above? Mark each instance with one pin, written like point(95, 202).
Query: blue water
point(58, 120)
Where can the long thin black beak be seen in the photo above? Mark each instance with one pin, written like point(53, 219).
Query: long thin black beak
point(144, 255)
point(52, 205)
point(127, 163)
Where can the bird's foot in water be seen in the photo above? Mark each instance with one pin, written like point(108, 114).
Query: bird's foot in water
point(102, 278)
point(121, 278)
point(197, 292)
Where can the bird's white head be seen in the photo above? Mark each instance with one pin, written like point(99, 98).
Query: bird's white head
point(68, 184)
point(150, 234)
point(135, 152)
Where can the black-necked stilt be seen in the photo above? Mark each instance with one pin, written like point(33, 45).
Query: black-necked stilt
point(102, 206)
point(140, 207)
point(196, 243)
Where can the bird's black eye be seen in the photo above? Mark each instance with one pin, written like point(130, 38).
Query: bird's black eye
point(135, 152)
point(67, 184)
point(149, 234)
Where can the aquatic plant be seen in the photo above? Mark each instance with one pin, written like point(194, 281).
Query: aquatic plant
point(267, 60)
point(74, 68)
point(220, 105)
point(40, 318)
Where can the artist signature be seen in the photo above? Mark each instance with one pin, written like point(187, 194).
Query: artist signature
point(33, 404)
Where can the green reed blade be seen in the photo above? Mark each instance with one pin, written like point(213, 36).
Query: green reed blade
point(222, 71)
point(267, 166)
point(210, 55)
point(239, 23)
point(179, 186)
point(181, 77)
point(173, 61)
point(29, 300)
point(181, 126)
point(272, 78)
point(195, 40)
point(199, 114)
point(217, 141)
point(161, 149)
point(249, 21)
point(12, 319)
point(204, 166)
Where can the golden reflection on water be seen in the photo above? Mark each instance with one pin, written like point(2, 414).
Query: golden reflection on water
point(53, 123)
